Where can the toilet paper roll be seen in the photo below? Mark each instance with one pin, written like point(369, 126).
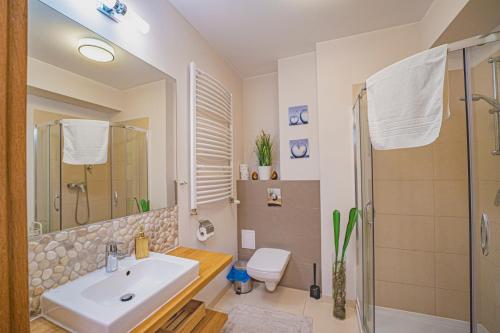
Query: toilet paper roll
point(205, 231)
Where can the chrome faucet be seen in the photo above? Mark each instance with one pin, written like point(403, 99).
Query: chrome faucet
point(113, 255)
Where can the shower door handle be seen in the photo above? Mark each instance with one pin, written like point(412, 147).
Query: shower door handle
point(368, 212)
point(485, 234)
point(56, 202)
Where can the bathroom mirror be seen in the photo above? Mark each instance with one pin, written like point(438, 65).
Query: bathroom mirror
point(120, 162)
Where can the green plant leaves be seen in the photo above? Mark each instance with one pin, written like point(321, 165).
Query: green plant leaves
point(336, 232)
point(353, 217)
point(264, 148)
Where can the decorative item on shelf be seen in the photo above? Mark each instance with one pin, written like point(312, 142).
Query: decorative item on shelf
point(255, 176)
point(274, 197)
point(339, 276)
point(274, 175)
point(264, 151)
point(244, 173)
point(299, 148)
point(206, 230)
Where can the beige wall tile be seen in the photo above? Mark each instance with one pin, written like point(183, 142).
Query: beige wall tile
point(403, 164)
point(452, 235)
point(489, 314)
point(450, 160)
point(386, 165)
point(488, 164)
point(452, 271)
point(404, 197)
point(417, 163)
point(487, 193)
point(451, 198)
point(296, 226)
point(405, 297)
point(405, 232)
point(403, 266)
point(452, 304)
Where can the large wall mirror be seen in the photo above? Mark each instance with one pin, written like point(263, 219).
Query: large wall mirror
point(101, 127)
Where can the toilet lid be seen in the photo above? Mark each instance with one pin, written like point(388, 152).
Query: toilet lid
point(269, 260)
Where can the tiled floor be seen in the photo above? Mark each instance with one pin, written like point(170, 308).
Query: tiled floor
point(294, 301)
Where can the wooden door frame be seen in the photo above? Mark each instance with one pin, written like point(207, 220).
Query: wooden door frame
point(14, 303)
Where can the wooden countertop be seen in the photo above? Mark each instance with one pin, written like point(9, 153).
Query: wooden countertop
point(211, 264)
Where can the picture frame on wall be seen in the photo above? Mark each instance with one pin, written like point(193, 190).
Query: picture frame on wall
point(298, 115)
point(274, 197)
point(299, 148)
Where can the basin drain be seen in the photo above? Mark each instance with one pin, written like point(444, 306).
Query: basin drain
point(127, 297)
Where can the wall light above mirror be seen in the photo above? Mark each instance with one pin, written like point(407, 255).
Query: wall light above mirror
point(134, 100)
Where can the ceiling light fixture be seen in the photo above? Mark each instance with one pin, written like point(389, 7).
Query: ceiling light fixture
point(118, 11)
point(96, 50)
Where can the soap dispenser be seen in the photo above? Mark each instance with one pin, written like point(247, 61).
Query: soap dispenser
point(141, 244)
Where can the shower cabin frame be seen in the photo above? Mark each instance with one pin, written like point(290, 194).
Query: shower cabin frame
point(56, 200)
point(465, 47)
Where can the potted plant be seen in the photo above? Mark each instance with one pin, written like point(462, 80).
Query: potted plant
point(264, 150)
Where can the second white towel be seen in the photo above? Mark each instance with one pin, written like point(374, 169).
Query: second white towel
point(405, 101)
point(85, 141)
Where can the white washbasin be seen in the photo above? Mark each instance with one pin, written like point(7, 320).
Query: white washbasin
point(93, 302)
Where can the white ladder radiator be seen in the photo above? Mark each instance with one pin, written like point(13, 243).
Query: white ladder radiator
point(211, 115)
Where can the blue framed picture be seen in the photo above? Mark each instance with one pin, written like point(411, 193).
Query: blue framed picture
point(299, 148)
point(298, 115)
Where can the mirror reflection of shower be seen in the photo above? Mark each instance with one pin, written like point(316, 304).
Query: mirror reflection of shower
point(66, 198)
point(81, 189)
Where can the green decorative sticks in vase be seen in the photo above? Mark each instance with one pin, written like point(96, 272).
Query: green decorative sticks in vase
point(339, 277)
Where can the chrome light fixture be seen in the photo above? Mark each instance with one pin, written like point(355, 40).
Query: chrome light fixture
point(118, 11)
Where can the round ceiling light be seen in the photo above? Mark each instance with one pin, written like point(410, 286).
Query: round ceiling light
point(96, 50)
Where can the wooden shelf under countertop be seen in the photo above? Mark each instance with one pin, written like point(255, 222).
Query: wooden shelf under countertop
point(211, 264)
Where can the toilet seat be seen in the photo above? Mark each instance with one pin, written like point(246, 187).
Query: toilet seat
point(268, 264)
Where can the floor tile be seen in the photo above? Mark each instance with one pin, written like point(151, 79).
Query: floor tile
point(296, 302)
point(283, 299)
point(323, 320)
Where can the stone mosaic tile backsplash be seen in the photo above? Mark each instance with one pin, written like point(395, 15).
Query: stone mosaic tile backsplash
point(57, 258)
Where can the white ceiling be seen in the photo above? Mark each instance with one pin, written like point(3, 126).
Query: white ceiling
point(253, 34)
point(53, 38)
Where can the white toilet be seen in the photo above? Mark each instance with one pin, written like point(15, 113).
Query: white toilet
point(268, 265)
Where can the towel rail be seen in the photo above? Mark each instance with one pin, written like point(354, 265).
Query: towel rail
point(211, 140)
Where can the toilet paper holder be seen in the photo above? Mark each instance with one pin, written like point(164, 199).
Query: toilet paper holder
point(206, 229)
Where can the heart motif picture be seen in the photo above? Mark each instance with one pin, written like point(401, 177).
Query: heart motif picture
point(298, 115)
point(299, 148)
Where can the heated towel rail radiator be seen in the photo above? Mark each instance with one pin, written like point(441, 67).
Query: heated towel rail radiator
point(211, 116)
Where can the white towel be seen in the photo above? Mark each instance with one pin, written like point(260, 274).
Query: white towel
point(405, 101)
point(85, 141)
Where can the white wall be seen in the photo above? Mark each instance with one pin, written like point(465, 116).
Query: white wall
point(438, 17)
point(170, 45)
point(297, 86)
point(340, 64)
point(49, 78)
point(260, 112)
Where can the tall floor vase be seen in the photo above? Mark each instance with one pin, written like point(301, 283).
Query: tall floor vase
point(339, 285)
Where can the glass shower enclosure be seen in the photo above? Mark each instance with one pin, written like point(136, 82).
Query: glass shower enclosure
point(429, 234)
point(70, 195)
